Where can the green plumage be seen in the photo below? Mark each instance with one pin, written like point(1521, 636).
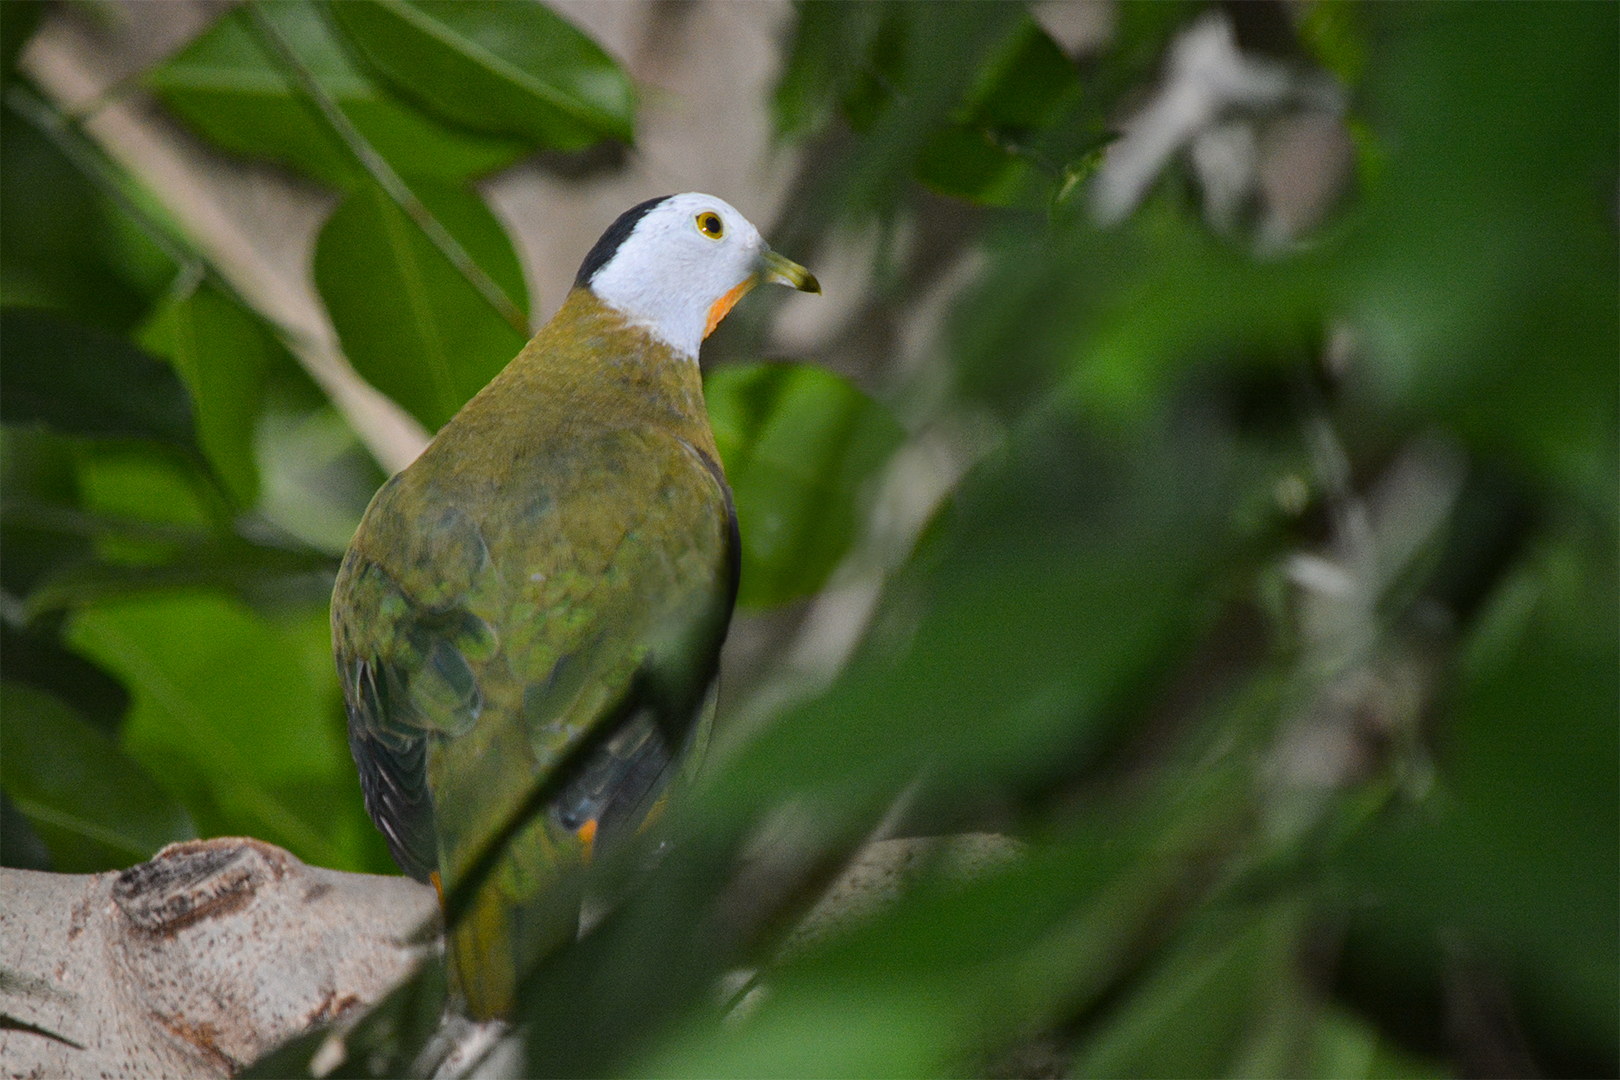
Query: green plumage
point(549, 583)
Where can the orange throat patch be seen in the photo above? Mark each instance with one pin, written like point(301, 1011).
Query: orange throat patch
point(722, 307)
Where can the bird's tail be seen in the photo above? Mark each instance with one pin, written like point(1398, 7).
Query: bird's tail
point(526, 908)
point(529, 904)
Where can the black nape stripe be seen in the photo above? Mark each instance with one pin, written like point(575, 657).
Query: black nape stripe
point(598, 256)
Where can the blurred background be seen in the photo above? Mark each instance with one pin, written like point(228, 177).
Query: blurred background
point(1200, 469)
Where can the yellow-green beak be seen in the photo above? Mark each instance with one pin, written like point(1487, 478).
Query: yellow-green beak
point(780, 270)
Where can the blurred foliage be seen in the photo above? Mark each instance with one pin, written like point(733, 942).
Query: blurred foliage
point(801, 448)
point(1274, 611)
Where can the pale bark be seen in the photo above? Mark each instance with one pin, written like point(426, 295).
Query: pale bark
point(216, 951)
point(195, 963)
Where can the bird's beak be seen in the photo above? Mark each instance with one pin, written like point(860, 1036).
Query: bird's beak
point(779, 270)
point(772, 268)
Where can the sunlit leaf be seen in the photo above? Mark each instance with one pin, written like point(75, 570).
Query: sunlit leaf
point(94, 807)
point(238, 716)
point(228, 86)
point(798, 444)
point(223, 353)
point(409, 321)
point(508, 68)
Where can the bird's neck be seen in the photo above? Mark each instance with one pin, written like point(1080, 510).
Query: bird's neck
point(589, 366)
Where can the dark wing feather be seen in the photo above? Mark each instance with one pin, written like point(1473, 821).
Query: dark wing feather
point(393, 779)
point(402, 656)
point(616, 781)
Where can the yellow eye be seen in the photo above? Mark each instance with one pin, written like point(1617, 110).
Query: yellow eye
point(710, 225)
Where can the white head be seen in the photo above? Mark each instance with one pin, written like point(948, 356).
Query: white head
point(676, 265)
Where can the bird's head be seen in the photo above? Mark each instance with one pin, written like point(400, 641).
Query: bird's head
point(676, 265)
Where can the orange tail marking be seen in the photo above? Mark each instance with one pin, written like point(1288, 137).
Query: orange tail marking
point(587, 836)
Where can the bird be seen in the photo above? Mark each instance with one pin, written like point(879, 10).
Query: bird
point(528, 620)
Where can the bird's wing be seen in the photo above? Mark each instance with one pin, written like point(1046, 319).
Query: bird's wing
point(484, 633)
point(405, 651)
point(392, 766)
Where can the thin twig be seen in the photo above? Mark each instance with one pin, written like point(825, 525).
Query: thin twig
point(378, 168)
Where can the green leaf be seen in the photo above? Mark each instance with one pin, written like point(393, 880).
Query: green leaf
point(1013, 652)
point(137, 486)
point(81, 381)
point(268, 578)
point(799, 444)
point(1347, 1047)
point(141, 521)
point(318, 477)
point(507, 68)
point(1334, 33)
point(94, 807)
point(37, 467)
point(975, 100)
point(230, 89)
point(900, 73)
point(20, 846)
point(870, 1029)
point(972, 163)
point(1197, 1013)
point(1119, 319)
point(223, 353)
point(17, 23)
point(1532, 755)
point(826, 37)
point(1073, 631)
point(1027, 82)
point(1493, 308)
point(967, 958)
point(411, 324)
point(992, 151)
point(240, 717)
point(66, 246)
